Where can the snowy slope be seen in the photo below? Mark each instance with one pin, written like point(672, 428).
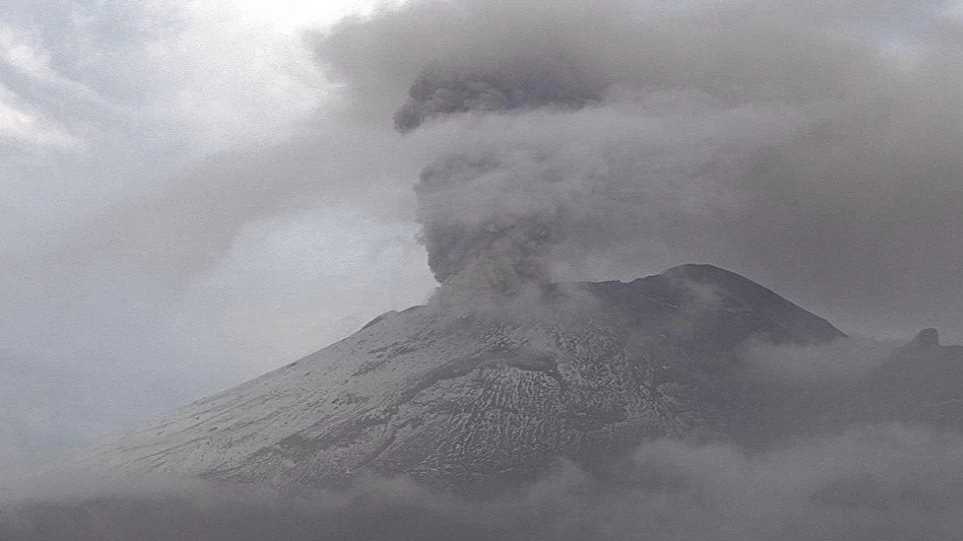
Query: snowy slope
point(583, 371)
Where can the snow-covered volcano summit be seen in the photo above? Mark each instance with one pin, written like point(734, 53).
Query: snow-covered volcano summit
point(457, 398)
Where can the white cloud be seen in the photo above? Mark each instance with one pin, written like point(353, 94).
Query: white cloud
point(169, 225)
point(244, 72)
point(294, 283)
point(18, 53)
point(18, 123)
point(293, 16)
point(841, 359)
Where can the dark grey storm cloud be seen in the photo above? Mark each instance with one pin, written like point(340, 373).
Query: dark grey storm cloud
point(812, 146)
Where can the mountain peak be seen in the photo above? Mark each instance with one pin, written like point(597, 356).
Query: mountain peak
point(699, 269)
point(491, 396)
point(721, 294)
point(929, 337)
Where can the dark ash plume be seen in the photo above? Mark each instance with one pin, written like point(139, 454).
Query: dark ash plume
point(507, 248)
point(522, 84)
point(500, 251)
point(813, 145)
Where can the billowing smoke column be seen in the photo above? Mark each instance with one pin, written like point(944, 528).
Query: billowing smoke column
point(550, 165)
point(505, 249)
point(499, 252)
point(811, 145)
point(521, 84)
point(562, 146)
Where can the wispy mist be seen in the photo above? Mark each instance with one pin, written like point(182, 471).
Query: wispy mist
point(875, 484)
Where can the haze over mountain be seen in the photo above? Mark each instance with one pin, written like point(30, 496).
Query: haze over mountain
point(196, 195)
point(598, 399)
point(451, 396)
point(554, 148)
point(492, 397)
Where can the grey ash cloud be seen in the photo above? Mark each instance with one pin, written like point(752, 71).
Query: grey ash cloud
point(502, 250)
point(812, 146)
point(520, 84)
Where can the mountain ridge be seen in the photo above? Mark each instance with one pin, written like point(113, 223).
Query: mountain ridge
point(487, 398)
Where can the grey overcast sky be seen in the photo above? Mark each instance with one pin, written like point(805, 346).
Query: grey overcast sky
point(176, 215)
point(196, 192)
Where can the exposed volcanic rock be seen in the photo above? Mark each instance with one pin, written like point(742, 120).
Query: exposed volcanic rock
point(926, 338)
point(479, 399)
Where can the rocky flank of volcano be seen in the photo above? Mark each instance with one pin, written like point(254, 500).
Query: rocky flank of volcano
point(490, 397)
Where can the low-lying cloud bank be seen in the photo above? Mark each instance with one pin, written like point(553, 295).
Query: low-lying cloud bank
point(841, 360)
point(873, 483)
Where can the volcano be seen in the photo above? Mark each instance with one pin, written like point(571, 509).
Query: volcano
point(488, 397)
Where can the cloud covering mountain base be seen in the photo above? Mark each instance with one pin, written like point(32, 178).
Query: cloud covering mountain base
point(873, 483)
